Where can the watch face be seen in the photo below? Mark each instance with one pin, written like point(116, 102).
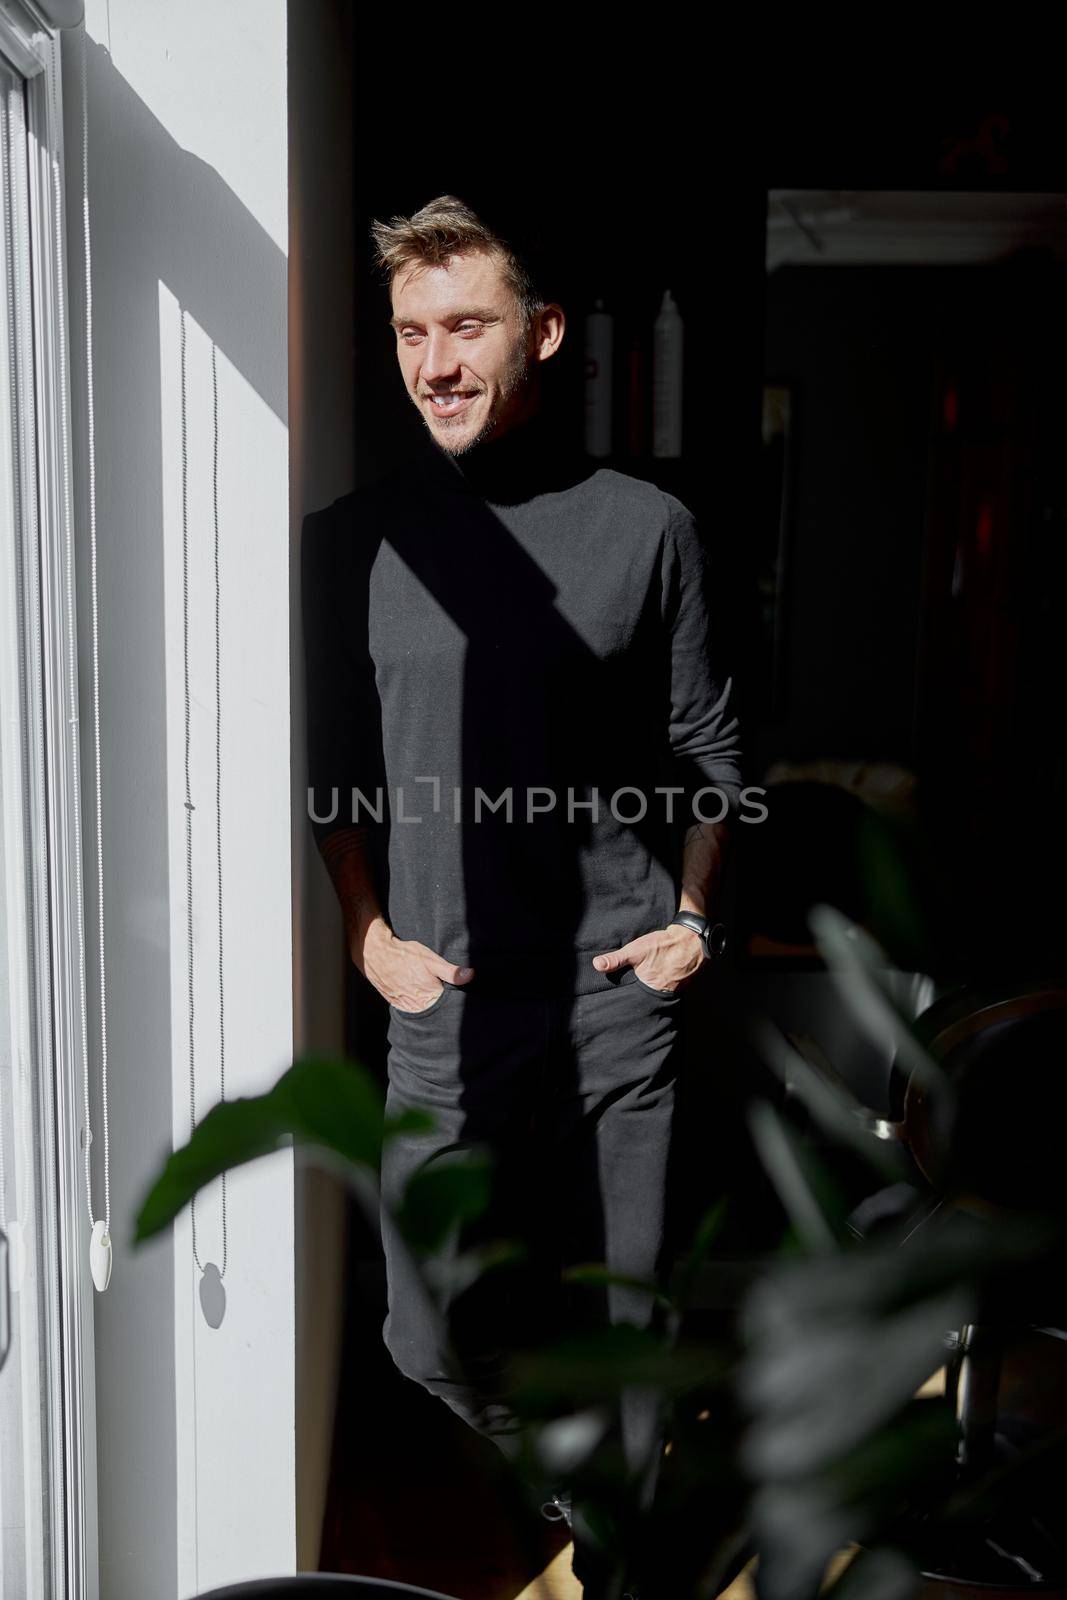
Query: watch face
point(716, 939)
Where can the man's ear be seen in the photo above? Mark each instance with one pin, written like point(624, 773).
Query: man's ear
point(549, 326)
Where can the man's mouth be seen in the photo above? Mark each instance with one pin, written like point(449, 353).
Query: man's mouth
point(450, 405)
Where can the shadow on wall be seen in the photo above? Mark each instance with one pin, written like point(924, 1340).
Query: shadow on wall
point(161, 219)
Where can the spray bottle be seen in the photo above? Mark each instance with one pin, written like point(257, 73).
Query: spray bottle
point(668, 338)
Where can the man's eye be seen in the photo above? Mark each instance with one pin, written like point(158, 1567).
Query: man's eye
point(409, 334)
point(469, 327)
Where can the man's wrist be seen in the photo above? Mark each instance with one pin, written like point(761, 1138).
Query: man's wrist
point(371, 933)
point(688, 939)
point(711, 934)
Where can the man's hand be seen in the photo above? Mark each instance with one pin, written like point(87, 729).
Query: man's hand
point(665, 959)
point(409, 975)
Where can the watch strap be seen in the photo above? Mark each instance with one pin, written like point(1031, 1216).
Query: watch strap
point(712, 935)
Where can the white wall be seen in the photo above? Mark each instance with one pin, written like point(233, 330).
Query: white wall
point(188, 200)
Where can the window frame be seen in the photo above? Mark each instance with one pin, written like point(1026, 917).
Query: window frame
point(31, 47)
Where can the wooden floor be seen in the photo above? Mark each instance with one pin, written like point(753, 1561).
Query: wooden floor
point(557, 1582)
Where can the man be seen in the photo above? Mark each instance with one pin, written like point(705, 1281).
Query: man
point(510, 675)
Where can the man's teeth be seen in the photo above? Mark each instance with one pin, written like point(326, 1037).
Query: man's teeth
point(447, 399)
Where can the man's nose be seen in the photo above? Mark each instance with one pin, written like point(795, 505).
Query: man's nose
point(439, 361)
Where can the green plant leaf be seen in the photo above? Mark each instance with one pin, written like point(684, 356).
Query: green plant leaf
point(563, 1445)
point(334, 1104)
point(858, 965)
point(595, 1367)
point(594, 1273)
point(830, 1102)
point(229, 1135)
point(790, 1168)
point(688, 1273)
point(445, 1194)
point(883, 1574)
point(449, 1276)
point(412, 1120)
point(825, 1391)
point(802, 1521)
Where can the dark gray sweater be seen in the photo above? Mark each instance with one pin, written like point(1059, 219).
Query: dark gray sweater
point(517, 622)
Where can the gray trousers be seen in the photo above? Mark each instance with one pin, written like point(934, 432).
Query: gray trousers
point(574, 1096)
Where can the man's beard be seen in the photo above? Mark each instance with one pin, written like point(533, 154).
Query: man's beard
point(517, 374)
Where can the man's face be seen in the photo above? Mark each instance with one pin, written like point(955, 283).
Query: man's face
point(466, 356)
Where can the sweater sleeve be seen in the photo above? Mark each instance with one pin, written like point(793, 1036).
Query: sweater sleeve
point(704, 728)
point(343, 716)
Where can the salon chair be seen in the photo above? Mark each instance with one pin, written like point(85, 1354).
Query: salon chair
point(1005, 1055)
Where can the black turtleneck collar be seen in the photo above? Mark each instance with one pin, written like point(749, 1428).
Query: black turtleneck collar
point(532, 458)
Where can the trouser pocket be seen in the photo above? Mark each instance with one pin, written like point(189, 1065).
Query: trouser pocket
point(666, 994)
point(427, 1011)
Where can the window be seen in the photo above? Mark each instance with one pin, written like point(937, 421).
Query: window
point(43, 1294)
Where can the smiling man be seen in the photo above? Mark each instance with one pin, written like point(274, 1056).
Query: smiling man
point(463, 341)
point(523, 762)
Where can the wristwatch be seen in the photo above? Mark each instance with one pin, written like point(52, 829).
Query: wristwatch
point(712, 935)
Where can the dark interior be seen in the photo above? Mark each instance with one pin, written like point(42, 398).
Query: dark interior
point(918, 519)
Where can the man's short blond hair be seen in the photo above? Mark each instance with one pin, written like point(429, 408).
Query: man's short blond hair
point(445, 227)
